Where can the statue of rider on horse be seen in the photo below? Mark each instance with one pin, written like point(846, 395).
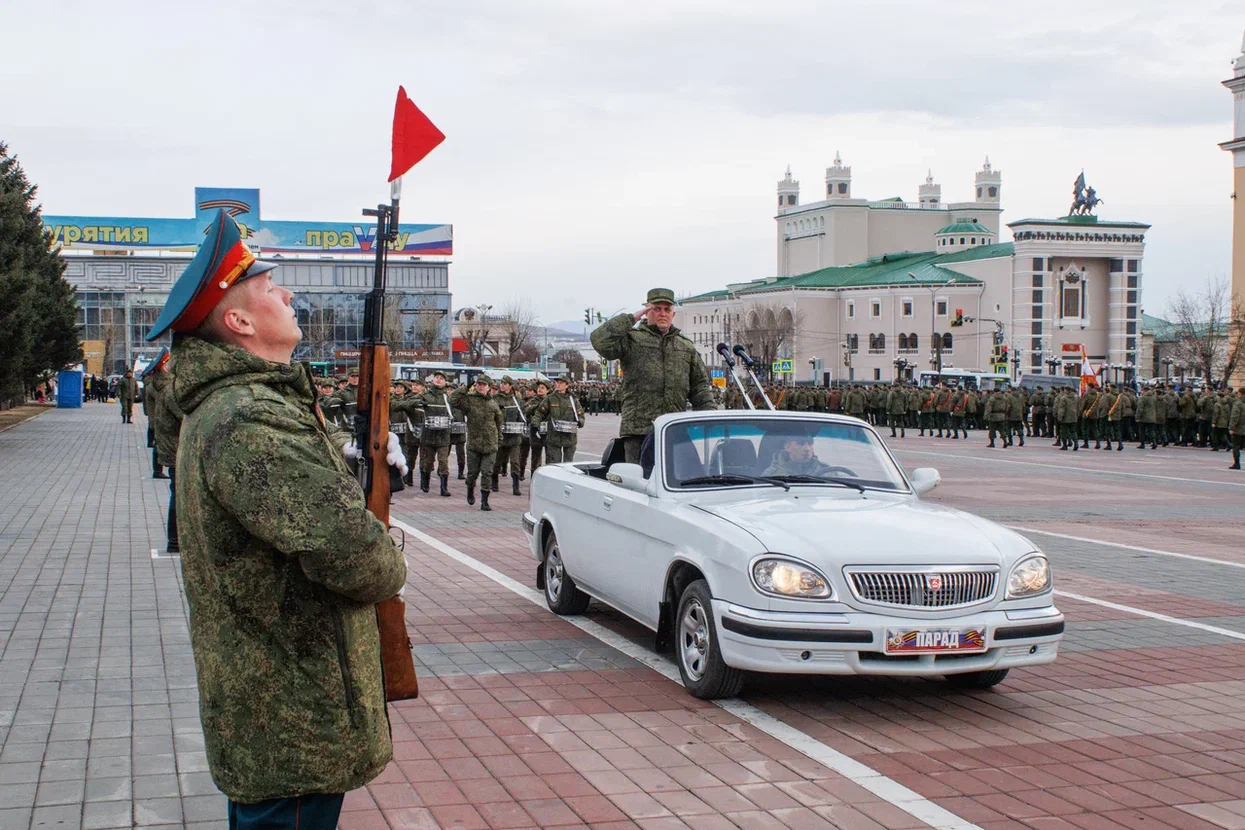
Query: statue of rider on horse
point(1085, 198)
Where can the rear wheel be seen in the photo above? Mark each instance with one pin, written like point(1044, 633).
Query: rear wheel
point(697, 650)
point(977, 679)
point(561, 594)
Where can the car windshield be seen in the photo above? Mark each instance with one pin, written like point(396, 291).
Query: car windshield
point(759, 451)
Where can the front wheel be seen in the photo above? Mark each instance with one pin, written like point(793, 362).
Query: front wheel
point(562, 595)
point(977, 679)
point(697, 650)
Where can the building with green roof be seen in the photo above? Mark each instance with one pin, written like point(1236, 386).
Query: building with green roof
point(869, 290)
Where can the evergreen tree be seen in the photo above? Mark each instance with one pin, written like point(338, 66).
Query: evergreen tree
point(37, 310)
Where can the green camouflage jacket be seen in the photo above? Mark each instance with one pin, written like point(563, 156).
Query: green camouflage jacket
point(282, 565)
point(483, 418)
point(166, 418)
point(1147, 405)
point(127, 390)
point(663, 372)
point(152, 385)
point(434, 406)
point(512, 411)
point(554, 407)
point(1236, 418)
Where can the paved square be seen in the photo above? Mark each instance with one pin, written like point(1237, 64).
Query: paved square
point(525, 720)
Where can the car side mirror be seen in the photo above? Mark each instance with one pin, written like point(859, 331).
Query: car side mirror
point(924, 479)
point(628, 476)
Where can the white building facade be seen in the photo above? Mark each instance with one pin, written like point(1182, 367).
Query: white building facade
point(868, 290)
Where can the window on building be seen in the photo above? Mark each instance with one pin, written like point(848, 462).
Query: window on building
point(1037, 295)
point(882, 342)
point(1071, 300)
point(877, 374)
point(941, 308)
point(1132, 280)
point(829, 190)
point(972, 240)
point(1037, 264)
point(994, 191)
point(1132, 312)
point(780, 200)
point(791, 199)
point(851, 310)
point(903, 342)
point(1035, 361)
point(979, 193)
point(1117, 266)
point(961, 240)
point(853, 343)
point(1037, 281)
point(1037, 327)
point(1132, 266)
point(948, 342)
point(843, 187)
point(1132, 297)
point(875, 308)
point(907, 307)
point(1132, 327)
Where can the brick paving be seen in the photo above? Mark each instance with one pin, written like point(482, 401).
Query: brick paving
point(526, 722)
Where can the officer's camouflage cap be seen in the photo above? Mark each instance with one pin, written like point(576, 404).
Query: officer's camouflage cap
point(660, 295)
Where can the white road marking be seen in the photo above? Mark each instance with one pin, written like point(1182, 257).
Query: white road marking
point(155, 554)
point(884, 788)
point(1129, 547)
point(1064, 467)
point(1154, 615)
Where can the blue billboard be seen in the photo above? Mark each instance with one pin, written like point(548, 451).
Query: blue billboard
point(263, 236)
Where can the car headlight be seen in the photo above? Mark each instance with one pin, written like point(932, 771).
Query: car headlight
point(787, 578)
point(1030, 576)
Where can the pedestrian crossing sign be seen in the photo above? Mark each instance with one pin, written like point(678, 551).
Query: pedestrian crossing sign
point(786, 366)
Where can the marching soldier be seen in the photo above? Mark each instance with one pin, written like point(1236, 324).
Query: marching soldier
point(996, 416)
point(564, 418)
point(434, 438)
point(166, 417)
point(482, 416)
point(526, 448)
point(1205, 416)
point(1222, 422)
point(896, 409)
point(1236, 428)
point(1121, 409)
point(513, 427)
point(942, 409)
point(1066, 407)
point(537, 433)
point(959, 409)
point(458, 437)
point(1102, 416)
point(400, 403)
point(1147, 414)
point(127, 391)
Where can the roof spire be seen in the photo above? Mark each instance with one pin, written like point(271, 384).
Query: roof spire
point(838, 160)
point(929, 176)
point(986, 166)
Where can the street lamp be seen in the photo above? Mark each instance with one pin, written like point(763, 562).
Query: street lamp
point(1016, 363)
point(1128, 372)
point(1167, 367)
point(901, 368)
point(1052, 364)
point(1115, 372)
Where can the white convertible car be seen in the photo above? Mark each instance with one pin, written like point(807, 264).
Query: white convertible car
point(789, 542)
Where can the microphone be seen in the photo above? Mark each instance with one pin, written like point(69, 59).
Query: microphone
point(743, 355)
point(725, 351)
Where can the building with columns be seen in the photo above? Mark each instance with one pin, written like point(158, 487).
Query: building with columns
point(867, 290)
point(1236, 84)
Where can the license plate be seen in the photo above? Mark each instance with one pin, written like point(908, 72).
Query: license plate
point(935, 640)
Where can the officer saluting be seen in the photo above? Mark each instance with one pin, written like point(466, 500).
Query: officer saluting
point(282, 562)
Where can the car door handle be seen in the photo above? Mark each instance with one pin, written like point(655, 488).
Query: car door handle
point(566, 492)
point(607, 503)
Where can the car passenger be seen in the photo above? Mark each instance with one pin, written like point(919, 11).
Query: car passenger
point(796, 458)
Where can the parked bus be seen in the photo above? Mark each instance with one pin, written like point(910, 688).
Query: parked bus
point(969, 378)
point(457, 373)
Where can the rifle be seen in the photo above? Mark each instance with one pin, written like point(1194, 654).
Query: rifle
point(371, 430)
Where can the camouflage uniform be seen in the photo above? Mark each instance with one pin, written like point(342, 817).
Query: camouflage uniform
point(458, 437)
point(282, 567)
point(167, 425)
point(153, 385)
point(663, 372)
point(127, 391)
point(510, 450)
point(559, 409)
point(536, 437)
point(1236, 428)
point(1147, 412)
point(482, 416)
point(434, 441)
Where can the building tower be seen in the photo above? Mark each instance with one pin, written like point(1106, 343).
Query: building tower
point(930, 193)
point(788, 192)
point(1237, 147)
point(838, 179)
point(989, 184)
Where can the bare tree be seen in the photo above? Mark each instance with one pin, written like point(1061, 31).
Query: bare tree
point(592, 369)
point(112, 333)
point(1201, 322)
point(426, 324)
point(393, 325)
point(766, 330)
point(574, 361)
point(528, 354)
point(521, 321)
point(476, 328)
point(318, 333)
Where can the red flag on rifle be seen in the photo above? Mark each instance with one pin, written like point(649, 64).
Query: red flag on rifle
point(414, 136)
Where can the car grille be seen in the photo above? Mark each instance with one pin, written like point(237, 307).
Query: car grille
point(933, 590)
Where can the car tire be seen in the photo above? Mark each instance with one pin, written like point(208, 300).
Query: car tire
point(697, 650)
point(562, 595)
point(977, 679)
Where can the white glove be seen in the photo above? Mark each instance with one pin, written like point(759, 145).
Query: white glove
point(351, 451)
point(394, 455)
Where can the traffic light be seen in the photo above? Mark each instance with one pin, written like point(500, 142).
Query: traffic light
point(588, 316)
point(959, 317)
point(1003, 355)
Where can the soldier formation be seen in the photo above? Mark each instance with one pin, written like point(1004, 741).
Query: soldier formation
point(1109, 417)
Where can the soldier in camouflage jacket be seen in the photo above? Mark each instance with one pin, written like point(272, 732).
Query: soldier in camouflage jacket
point(482, 415)
point(282, 565)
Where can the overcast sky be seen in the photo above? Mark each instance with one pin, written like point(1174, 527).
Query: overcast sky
point(596, 149)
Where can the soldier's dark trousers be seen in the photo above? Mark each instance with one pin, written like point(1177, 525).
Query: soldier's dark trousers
point(957, 426)
point(1148, 435)
point(1016, 428)
point(460, 453)
point(507, 461)
point(1219, 438)
point(632, 445)
point(305, 812)
point(556, 455)
point(171, 529)
point(897, 422)
point(438, 456)
point(525, 449)
point(538, 457)
point(1203, 433)
point(997, 428)
point(478, 461)
point(1238, 444)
